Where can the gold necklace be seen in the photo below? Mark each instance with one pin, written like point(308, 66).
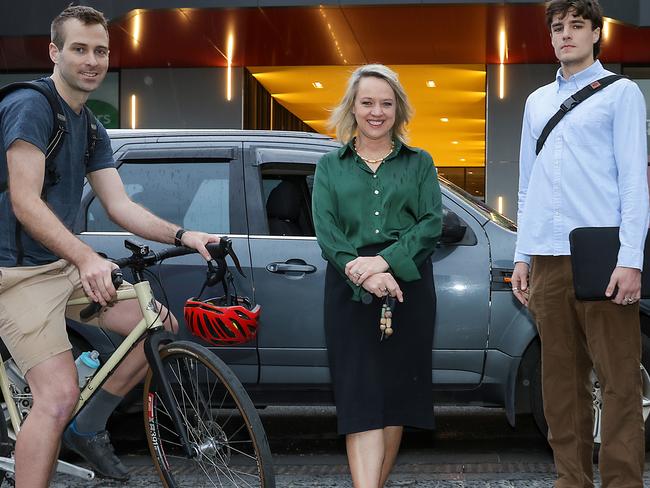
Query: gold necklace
point(378, 160)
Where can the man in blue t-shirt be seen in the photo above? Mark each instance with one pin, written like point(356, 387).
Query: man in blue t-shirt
point(42, 263)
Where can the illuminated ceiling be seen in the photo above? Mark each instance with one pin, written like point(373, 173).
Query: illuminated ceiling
point(449, 119)
point(331, 35)
point(323, 43)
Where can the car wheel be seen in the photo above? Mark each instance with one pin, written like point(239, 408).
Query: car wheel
point(598, 404)
point(536, 402)
point(645, 362)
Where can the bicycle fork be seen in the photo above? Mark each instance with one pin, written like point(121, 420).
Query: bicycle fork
point(151, 349)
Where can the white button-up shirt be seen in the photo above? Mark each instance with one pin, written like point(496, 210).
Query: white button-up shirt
point(591, 171)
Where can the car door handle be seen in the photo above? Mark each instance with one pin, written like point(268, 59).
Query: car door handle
point(289, 267)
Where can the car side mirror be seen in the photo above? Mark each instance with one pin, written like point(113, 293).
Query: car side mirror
point(453, 229)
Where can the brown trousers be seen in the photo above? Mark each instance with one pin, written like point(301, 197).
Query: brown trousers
point(577, 336)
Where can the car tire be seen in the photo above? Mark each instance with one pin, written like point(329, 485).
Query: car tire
point(536, 401)
point(645, 361)
point(537, 407)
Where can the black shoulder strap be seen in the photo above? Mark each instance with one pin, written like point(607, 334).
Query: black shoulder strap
point(58, 128)
point(571, 102)
point(92, 133)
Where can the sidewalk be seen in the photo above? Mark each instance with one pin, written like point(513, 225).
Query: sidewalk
point(418, 470)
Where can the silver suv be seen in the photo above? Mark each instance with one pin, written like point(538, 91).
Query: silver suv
point(256, 188)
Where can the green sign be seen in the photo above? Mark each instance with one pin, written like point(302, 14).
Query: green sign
point(106, 113)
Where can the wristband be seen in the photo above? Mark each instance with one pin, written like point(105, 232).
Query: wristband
point(179, 236)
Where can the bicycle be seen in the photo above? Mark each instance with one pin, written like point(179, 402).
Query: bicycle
point(198, 416)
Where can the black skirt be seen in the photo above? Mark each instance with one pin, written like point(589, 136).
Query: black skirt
point(388, 383)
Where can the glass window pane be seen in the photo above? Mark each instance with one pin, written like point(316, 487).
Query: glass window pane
point(455, 175)
point(191, 195)
point(475, 182)
point(287, 199)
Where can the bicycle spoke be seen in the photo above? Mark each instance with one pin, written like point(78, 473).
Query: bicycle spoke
point(186, 421)
point(185, 395)
point(218, 425)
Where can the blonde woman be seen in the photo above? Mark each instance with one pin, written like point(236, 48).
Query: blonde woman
point(377, 213)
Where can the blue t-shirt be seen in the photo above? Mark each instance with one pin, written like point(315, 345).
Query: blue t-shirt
point(26, 115)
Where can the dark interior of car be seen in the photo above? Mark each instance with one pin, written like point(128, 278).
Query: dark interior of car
point(288, 206)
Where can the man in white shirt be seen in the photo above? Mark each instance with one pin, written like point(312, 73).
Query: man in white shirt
point(591, 172)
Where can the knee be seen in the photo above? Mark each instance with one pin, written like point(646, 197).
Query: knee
point(59, 401)
point(171, 324)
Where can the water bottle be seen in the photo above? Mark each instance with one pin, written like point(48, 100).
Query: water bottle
point(87, 363)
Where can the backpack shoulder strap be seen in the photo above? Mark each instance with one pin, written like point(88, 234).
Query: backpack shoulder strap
point(572, 102)
point(59, 127)
point(92, 132)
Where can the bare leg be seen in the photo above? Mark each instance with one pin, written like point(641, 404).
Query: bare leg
point(366, 456)
point(392, 440)
point(122, 318)
point(55, 392)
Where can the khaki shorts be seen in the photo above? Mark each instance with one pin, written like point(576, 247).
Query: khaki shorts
point(33, 310)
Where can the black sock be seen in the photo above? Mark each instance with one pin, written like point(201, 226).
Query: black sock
point(96, 411)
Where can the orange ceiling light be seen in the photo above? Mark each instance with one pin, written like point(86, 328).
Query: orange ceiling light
point(459, 96)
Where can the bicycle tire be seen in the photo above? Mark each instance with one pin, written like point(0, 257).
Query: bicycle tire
point(6, 448)
point(227, 437)
point(7, 445)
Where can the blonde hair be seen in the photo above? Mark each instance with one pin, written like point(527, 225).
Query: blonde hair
point(343, 120)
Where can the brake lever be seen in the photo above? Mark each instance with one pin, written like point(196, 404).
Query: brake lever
point(235, 260)
point(229, 251)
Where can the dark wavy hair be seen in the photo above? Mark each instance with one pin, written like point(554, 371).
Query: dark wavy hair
point(86, 15)
point(587, 9)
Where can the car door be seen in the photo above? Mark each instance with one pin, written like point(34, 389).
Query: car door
point(197, 185)
point(288, 270)
point(462, 280)
point(289, 284)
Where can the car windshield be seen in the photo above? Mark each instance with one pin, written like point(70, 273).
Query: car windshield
point(480, 206)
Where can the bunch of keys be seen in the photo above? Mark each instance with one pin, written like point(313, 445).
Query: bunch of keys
point(386, 317)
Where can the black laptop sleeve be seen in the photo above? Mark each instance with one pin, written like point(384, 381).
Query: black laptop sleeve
point(594, 253)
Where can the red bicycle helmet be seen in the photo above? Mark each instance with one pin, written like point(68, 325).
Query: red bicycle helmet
point(222, 321)
point(221, 324)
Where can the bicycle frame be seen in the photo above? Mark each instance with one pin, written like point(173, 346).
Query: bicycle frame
point(150, 323)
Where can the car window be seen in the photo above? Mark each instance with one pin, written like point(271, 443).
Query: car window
point(480, 206)
point(191, 195)
point(268, 184)
point(287, 199)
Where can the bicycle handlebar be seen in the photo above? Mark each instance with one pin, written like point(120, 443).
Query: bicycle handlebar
point(142, 258)
point(117, 278)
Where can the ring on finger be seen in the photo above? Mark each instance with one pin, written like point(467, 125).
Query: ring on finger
point(515, 289)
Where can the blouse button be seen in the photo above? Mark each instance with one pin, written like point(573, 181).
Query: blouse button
point(374, 176)
point(376, 213)
point(376, 231)
point(376, 192)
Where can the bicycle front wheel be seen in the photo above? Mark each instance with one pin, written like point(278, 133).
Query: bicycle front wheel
point(227, 439)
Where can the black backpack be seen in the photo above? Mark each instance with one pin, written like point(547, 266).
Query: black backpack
point(59, 130)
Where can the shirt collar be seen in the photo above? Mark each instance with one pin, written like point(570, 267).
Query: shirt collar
point(399, 145)
point(583, 78)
